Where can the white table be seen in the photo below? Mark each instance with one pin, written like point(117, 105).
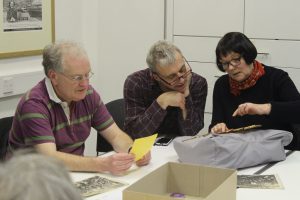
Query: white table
point(288, 171)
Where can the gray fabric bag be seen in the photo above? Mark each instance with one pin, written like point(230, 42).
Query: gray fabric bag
point(234, 150)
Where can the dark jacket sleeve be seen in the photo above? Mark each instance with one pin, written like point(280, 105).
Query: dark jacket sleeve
point(287, 109)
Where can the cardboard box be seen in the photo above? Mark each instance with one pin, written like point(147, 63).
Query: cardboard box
point(194, 181)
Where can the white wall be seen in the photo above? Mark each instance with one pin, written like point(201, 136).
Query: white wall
point(116, 35)
point(126, 29)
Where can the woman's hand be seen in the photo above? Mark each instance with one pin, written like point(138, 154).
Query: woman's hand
point(145, 160)
point(219, 128)
point(252, 109)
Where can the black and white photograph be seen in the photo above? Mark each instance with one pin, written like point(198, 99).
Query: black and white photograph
point(28, 24)
point(22, 15)
point(97, 185)
point(259, 181)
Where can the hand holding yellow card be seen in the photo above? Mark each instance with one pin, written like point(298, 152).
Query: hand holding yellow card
point(141, 146)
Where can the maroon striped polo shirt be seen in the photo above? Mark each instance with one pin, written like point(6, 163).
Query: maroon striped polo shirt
point(38, 119)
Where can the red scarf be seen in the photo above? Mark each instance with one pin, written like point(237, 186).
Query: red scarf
point(257, 72)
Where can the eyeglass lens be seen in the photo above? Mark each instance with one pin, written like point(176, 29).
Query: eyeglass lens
point(234, 62)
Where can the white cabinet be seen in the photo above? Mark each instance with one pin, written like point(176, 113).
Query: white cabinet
point(197, 25)
point(278, 53)
point(200, 49)
point(273, 28)
point(207, 17)
point(271, 19)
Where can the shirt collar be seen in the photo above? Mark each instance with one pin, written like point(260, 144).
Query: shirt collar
point(51, 92)
point(54, 97)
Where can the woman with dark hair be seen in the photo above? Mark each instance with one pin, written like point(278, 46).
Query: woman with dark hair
point(12, 13)
point(251, 92)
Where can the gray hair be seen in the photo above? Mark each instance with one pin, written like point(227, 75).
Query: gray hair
point(54, 54)
point(162, 53)
point(33, 176)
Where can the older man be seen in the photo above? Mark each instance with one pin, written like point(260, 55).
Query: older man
point(167, 98)
point(57, 114)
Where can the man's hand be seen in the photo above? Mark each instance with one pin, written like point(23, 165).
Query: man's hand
point(188, 81)
point(252, 109)
point(119, 163)
point(172, 98)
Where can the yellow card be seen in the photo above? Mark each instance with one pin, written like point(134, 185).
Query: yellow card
point(141, 146)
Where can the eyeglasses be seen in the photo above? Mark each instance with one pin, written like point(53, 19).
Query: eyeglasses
point(234, 62)
point(78, 78)
point(177, 78)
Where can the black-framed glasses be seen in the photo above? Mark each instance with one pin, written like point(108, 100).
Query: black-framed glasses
point(183, 74)
point(233, 62)
point(78, 78)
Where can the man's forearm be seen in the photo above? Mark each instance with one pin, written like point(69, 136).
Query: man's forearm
point(79, 163)
point(122, 143)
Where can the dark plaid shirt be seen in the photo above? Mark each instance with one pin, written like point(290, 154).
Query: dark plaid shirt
point(145, 117)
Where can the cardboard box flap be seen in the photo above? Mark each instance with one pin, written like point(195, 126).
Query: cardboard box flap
point(196, 182)
point(227, 187)
point(182, 182)
point(153, 183)
point(211, 178)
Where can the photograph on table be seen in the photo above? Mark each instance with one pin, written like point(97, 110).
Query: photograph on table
point(271, 181)
point(97, 185)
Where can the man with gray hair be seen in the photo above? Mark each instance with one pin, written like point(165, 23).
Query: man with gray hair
point(167, 98)
point(56, 115)
point(32, 176)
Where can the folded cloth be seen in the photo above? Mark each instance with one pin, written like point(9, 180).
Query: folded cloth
point(234, 150)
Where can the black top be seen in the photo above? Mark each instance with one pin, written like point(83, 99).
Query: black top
point(275, 87)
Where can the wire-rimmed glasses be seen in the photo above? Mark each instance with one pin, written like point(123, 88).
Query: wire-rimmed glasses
point(78, 78)
point(176, 79)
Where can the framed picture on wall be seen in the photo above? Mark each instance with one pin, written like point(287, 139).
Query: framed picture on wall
point(26, 27)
